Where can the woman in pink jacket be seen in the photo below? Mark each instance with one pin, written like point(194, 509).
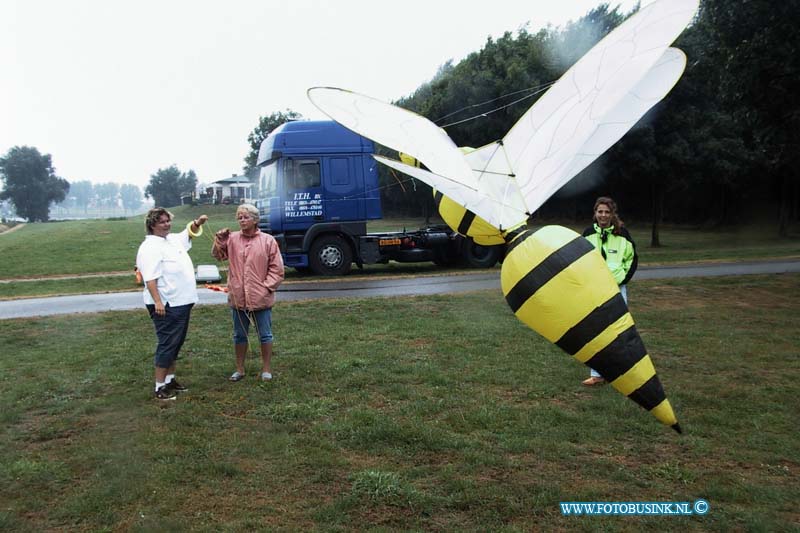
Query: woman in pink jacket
point(255, 270)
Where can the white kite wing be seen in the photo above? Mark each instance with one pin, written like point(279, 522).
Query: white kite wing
point(577, 111)
point(496, 179)
point(497, 211)
point(455, 190)
point(590, 108)
point(598, 80)
point(491, 163)
point(656, 84)
point(394, 127)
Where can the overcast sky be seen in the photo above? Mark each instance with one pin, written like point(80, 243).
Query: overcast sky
point(116, 90)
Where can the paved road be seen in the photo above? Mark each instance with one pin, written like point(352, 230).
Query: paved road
point(363, 287)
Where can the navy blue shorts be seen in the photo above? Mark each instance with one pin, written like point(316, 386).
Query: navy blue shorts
point(170, 331)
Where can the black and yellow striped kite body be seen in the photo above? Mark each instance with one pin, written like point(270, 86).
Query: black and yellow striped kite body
point(466, 222)
point(459, 218)
point(558, 284)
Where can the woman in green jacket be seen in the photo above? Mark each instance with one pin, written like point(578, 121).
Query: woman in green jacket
point(612, 240)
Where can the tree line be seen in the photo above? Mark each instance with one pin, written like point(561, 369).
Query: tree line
point(85, 195)
point(32, 187)
point(720, 148)
point(723, 142)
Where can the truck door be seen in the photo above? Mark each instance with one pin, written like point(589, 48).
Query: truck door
point(344, 189)
point(303, 204)
point(267, 199)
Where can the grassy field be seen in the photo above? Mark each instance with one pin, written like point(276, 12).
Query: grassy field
point(109, 246)
point(428, 413)
point(687, 244)
point(82, 285)
point(92, 246)
point(97, 246)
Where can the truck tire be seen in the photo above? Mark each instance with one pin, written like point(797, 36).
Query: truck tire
point(330, 255)
point(446, 256)
point(477, 256)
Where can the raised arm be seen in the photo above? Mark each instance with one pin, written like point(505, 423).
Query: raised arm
point(220, 247)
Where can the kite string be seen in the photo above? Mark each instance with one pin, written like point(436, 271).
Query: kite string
point(536, 88)
point(373, 189)
point(479, 115)
point(233, 296)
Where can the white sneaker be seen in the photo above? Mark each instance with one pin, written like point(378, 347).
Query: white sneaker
point(266, 376)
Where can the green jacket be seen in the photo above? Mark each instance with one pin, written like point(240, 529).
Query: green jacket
point(618, 250)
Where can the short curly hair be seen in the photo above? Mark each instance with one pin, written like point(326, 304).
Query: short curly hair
point(153, 216)
point(250, 209)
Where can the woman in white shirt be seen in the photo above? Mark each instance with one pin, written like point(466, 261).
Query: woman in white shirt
point(170, 291)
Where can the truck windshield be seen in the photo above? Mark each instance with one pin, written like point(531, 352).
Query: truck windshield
point(268, 180)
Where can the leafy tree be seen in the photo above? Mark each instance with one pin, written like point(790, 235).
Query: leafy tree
point(131, 197)
point(479, 99)
point(31, 183)
point(708, 141)
point(687, 159)
point(82, 193)
point(732, 121)
point(476, 101)
point(754, 46)
point(107, 193)
point(168, 185)
point(265, 126)
point(567, 46)
point(6, 210)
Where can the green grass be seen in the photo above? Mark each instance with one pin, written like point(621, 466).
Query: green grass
point(104, 246)
point(84, 285)
point(682, 244)
point(93, 246)
point(428, 413)
point(110, 245)
point(126, 282)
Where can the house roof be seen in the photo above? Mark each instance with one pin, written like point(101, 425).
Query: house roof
point(233, 180)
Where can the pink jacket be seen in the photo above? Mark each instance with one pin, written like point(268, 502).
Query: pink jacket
point(255, 269)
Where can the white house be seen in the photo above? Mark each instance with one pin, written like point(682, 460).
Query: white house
point(233, 190)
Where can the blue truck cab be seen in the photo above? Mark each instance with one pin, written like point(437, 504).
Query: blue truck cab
point(317, 171)
point(317, 178)
point(318, 188)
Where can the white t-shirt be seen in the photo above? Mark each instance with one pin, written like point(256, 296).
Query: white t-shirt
point(167, 260)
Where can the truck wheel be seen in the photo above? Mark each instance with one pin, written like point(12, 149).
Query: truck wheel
point(445, 256)
point(330, 255)
point(477, 256)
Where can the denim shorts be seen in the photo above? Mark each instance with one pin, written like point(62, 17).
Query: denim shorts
point(241, 325)
point(170, 331)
